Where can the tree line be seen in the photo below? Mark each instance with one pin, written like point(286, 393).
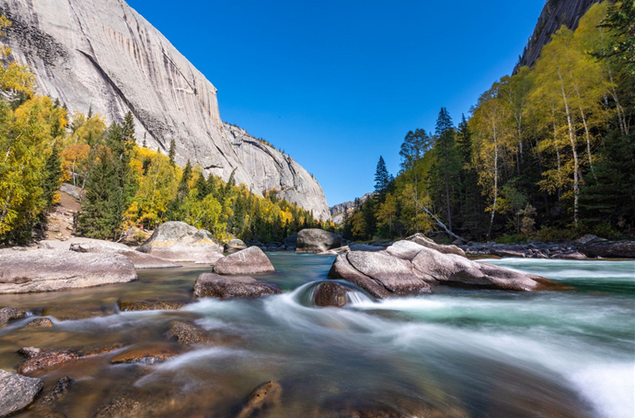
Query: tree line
point(122, 184)
point(547, 153)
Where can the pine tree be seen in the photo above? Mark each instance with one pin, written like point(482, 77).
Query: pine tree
point(382, 180)
point(172, 152)
point(53, 177)
point(446, 167)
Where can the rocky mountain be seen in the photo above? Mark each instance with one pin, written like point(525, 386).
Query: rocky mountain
point(555, 14)
point(338, 211)
point(101, 54)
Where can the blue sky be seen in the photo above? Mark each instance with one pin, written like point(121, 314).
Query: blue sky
point(336, 84)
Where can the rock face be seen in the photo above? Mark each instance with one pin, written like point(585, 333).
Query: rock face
point(249, 261)
point(553, 16)
point(338, 211)
point(17, 392)
point(315, 240)
point(598, 247)
point(102, 54)
point(49, 270)
point(139, 259)
point(213, 285)
point(407, 268)
point(178, 241)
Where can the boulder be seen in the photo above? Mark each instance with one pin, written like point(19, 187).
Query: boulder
point(150, 354)
point(214, 285)
point(210, 259)
point(421, 239)
point(50, 270)
point(40, 323)
point(135, 236)
point(71, 190)
point(235, 245)
point(178, 241)
point(290, 242)
point(330, 294)
point(609, 249)
point(187, 333)
point(408, 268)
point(366, 247)
point(574, 255)
point(17, 392)
point(139, 259)
point(9, 314)
point(315, 240)
point(249, 261)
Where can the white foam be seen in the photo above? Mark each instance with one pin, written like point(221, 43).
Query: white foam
point(609, 387)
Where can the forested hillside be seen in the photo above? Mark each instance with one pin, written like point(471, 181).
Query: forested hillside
point(548, 153)
point(123, 184)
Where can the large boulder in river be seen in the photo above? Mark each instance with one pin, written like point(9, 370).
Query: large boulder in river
point(50, 270)
point(314, 240)
point(178, 241)
point(599, 247)
point(408, 268)
point(214, 285)
point(139, 259)
point(17, 392)
point(249, 261)
point(421, 239)
point(8, 314)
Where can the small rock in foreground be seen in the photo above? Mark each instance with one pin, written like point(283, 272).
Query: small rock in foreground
point(17, 392)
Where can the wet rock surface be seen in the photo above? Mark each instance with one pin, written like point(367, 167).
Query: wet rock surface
point(60, 389)
point(17, 392)
point(235, 245)
point(330, 294)
point(147, 354)
point(40, 323)
point(249, 261)
point(265, 397)
point(50, 270)
point(9, 314)
point(42, 359)
point(187, 333)
point(133, 304)
point(229, 287)
point(315, 240)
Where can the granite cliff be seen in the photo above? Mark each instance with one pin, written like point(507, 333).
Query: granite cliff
point(101, 54)
point(555, 14)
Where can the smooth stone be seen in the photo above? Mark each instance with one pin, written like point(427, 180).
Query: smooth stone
point(51, 270)
point(40, 323)
point(330, 294)
point(249, 261)
point(314, 240)
point(266, 395)
point(17, 392)
point(139, 259)
point(178, 241)
point(214, 285)
point(150, 304)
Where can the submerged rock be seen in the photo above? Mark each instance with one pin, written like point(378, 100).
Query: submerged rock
point(330, 294)
point(178, 241)
point(139, 259)
point(249, 261)
point(50, 270)
point(187, 333)
point(41, 359)
point(17, 392)
point(79, 311)
point(265, 396)
point(214, 285)
point(40, 323)
point(150, 304)
point(9, 314)
point(146, 355)
point(57, 392)
point(315, 240)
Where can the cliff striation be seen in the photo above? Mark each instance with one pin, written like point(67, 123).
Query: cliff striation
point(101, 54)
point(555, 14)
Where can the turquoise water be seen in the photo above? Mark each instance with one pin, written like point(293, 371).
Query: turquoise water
point(455, 353)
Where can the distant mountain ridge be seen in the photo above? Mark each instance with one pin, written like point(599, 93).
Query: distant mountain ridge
point(102, 55)
point(555, 14)
point(338, 211)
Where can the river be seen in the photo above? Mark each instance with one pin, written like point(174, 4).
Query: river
point(455, 353)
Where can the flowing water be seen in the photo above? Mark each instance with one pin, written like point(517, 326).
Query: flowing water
point(455, 353)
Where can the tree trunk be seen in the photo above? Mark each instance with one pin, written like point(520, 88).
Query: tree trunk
point(576, 180)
